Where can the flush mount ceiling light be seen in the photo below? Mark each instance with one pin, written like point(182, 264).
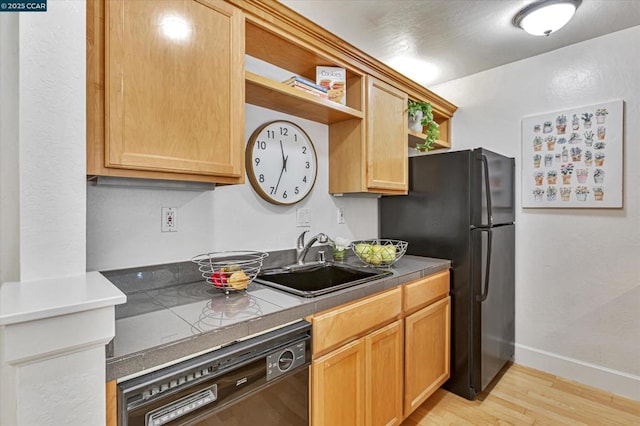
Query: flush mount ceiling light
point(546, 16)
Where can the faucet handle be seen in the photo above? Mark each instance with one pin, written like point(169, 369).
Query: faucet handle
point(300, 242)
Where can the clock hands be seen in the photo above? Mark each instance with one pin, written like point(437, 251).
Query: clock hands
point(284, 167)
point(284, 159)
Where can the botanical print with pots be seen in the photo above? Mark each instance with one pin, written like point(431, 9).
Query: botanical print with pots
point(573, 158)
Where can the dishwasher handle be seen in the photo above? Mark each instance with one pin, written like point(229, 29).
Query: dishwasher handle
point(182, 407)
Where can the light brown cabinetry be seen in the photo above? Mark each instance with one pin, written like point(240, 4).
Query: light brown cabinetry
point(171, 105)
point(427, 309)
point(338, 386)
point(394, 343)
point(357, 362)
point(166, 90)
point(426, 352)
point(111, 391)
point(383, 354)
point(371, 156)
point(367, 136)
point(347, 322)
point(386, 137)
point(360, 383)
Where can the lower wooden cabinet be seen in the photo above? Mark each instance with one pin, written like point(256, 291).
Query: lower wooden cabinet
point(383, 392)
point(112, 407)
point(361, 382)
point(426, 351)
point(376, 361)
point(338, 386)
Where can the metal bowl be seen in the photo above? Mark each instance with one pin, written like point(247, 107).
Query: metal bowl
point(379, 253)
point(230, 270)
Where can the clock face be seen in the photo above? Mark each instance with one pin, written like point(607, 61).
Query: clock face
point(281, 162)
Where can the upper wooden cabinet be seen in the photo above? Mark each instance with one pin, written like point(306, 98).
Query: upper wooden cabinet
point(371, 155)
point(368, 135)
point(166, 90)
point(386, 137)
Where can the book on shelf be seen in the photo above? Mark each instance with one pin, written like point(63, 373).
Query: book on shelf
point(311, 90)
point(303, 81)
point(334, 80)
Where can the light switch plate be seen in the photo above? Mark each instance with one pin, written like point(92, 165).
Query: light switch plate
point(340, 215)
point(303, 218)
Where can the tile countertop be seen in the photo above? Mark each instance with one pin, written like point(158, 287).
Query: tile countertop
point(185, 316)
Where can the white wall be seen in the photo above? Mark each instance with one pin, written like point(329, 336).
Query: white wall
point(123, 224)
point(577, 271)
point(9, 147)
point(42, 220)
point(42, 113)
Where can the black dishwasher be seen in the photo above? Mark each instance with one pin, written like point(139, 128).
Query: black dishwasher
point(259, 381)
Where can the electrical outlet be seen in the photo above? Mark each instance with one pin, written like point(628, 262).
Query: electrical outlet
point(340, 215)
point(303, 218)
point(169, 219)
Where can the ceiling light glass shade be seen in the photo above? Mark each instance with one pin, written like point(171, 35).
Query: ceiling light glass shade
point(547, 16)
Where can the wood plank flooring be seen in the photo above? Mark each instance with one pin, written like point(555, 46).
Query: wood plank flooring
point(524, 396)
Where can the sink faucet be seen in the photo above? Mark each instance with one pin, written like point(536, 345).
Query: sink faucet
point(302, 249)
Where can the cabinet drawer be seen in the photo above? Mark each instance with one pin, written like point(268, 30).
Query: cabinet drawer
point(426, 290)
point(339, 325)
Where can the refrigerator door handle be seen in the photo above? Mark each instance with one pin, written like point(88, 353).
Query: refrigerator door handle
point(487, 188)
point(485, 292)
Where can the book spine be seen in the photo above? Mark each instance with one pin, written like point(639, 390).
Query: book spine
point(306, 82)
point(310, 90)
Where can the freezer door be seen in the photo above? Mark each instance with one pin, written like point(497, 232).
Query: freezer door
point(434, 218)
point(492, 189)
point(493, 302)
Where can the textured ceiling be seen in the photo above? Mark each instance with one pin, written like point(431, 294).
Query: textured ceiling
point(448, 39)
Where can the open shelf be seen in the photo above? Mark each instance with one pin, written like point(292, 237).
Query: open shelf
point(417, 137)
point(277, 96)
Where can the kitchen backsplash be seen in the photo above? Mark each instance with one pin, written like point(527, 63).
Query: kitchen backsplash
point(123, 224)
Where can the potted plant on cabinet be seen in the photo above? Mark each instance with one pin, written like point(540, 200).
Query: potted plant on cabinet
point(421, 119)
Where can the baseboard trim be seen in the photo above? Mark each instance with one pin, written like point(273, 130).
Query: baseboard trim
point(606, 379)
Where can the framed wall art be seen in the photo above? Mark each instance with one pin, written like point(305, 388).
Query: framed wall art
point(573, 158)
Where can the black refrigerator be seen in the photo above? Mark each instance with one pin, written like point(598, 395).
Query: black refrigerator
point(460, 207)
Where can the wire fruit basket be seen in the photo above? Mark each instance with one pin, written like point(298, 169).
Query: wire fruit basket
point(379, 252)
point(230, 270)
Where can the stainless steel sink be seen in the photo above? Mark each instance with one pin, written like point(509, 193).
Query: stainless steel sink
point(314, 279)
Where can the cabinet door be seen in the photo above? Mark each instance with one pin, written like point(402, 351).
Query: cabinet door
point(386, 135)
point(174, 75)
point(111, 392)
point(338, 387)
point(384, 360)
point(427, 339)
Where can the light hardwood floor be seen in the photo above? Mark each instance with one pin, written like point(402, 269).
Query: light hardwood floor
point(524, 396)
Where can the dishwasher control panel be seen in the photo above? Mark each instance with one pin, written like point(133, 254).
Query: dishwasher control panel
point(286, 359)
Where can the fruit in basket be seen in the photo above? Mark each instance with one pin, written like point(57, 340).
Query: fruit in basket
point(388, 253)
point(376, 255)
point(363, 250)
point(219, 279)
point(230, 268)
point(238, 280)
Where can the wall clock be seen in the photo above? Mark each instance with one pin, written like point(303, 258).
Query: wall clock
point(281, 162)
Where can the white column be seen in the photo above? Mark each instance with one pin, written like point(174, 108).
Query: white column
point(52, 140)
point(52, 350)
point(54, 318)
point(9, 160)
